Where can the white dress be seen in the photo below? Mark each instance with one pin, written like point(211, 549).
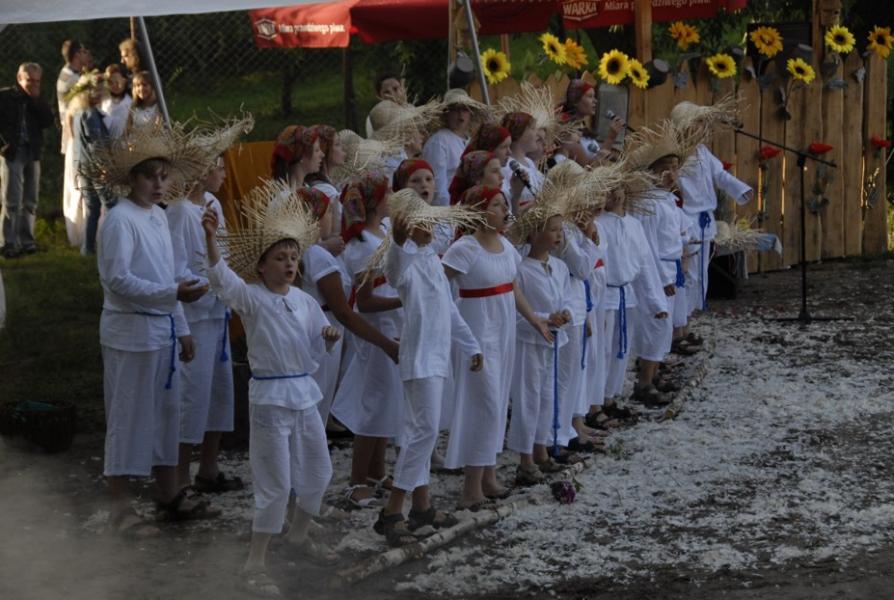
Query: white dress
point(443, 151)
point(333, 194)
point(116, 111)
point(370, 398)
point(482, 398)
point(74, 208)
point(318, 263)
point(596, 343)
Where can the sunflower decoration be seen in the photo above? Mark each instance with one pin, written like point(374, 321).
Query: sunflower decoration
point(496, 65)
point(880, 41)
point(637, 73)
point(613, 66)
point(800, 70)
point(685, 35)
point(839, 39)
point(553, 48)
point(721, 65)
point(575, 55)
point(767, 40)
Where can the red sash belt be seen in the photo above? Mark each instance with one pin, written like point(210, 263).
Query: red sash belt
point(504, 288)
point(599, 263)
point(380, 280)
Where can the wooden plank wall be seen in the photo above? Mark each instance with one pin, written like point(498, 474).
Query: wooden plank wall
point(832, 216)
point(875, 228)
point(852, 168)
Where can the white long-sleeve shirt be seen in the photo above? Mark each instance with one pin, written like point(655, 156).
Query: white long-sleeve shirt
point(663, 228)
point(700, 177)
point(535, 178)
point(188, 241)
point(629, 263)
point(443, 151)
point(136, 270)
point(116, 111)
point(547, 289)
point(284, 336)
point(579, 254)
point(431, 319)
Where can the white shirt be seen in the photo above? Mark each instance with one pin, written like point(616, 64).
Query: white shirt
point(318, 263)
point(664, 230)
point(629, 263)
point(579, 255)
point(700, 177)
point(333, 194)
point(547, 289)
point(67, 79)
point(144, 117)
point(116, 111)
point(443, 151)
point(136, 270)
point(284, 335)
point(190, 252)
point(431, 319)
point(535, 178)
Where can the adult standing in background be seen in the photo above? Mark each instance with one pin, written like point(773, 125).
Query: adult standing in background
point(23, 117)
point(116, 105)
point(75, 55)
point(131, 56)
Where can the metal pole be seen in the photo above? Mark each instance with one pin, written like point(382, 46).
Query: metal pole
point(153, 71)
point(467, 5)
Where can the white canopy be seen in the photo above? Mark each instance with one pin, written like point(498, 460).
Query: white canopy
point(42, 11)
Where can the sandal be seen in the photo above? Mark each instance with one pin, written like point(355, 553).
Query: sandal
point(312, 551)
point(129, 525)
point(528, 475)
point(694, 340)
point(174, 511)
point(667, 386)
point(684, 348)
point(571, 458)
point(385, 484)
point(501, 495)
point(218, 485)
point(433, 517)
point(576, 445)
point(649, 396)
point(549, 466)
point(259, 583)
point(352, 503)
point(394, 528)
point(486, 504)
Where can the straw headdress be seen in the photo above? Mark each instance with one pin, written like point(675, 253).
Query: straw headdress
point(405, 206)
point(702, 120)
point(738, 236)
point(650, 144)
point(217, 136)
point(271, 212)
point(617, 177)
point(403, 122)
point(540, 104)
point(362, 155)
point(459, 96)
point(535, 217)
point(108, 165)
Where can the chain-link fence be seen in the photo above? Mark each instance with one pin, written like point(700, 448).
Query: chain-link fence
point(209, 64)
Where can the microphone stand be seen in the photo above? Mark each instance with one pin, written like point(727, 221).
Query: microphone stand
point(804, 317)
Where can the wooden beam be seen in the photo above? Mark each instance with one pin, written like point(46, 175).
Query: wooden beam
point(642, 23)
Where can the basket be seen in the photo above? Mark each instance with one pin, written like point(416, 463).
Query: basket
point(49, 424)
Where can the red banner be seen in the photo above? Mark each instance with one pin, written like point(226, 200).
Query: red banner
point(592, 14)
point(320, 26)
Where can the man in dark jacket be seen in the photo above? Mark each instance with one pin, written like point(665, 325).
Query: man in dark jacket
point(23, 117)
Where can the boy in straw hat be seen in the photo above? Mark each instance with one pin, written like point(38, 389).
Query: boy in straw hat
point(142, 319)
point(444, 148)
point(701, 175)
point(286, 332)
point(431, 322)
point(537, 386)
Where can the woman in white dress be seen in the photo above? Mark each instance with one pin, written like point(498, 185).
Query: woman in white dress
point(484, 265)
point(144, 111)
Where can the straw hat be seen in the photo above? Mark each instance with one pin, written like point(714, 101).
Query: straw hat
point(108, 165)
point(459, 97)
point(403, 122)
point(271, 212)
point(704, 119)
point(362, 155)
point(535, 216)
point(216, 137)
point(650, 144)
point(540, 104)
point(87, 82)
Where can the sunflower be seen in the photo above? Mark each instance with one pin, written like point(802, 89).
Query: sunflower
point(800, 70)
point(575, 55)
point(880, 41)
point(553, 48)
point(613, 66)
point(767, 40)
point(840, 39)
point(495, 64)
point(637, 73)
point(685, 35)
point(721, 65)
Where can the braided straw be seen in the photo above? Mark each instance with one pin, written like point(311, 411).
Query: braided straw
point(404, 122)
point(738, 236)
point(270, 213)
point(362, 155)
point(540, 104)
point(217, 136)
point(702, 121)
point(407, 207)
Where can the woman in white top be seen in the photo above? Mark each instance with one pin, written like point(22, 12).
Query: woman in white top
point(333, 157)
point(582, 104)
point(116, 106)
point(521, 178)
point(144, 110)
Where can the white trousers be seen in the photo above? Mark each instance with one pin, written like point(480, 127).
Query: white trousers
point(616, 368)
point(574, 376)
point(596, 349)
point(327, 374)
point(286, 450)
point(533, 403)
point(653, 336)
point(206, 384)
point(680, 314)
point(142, 417)
point(422, 413)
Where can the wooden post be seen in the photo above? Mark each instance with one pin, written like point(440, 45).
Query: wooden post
point(852, 165)
point(875, 222)
point(773, 129)
point(747, 163)
point(642, 24)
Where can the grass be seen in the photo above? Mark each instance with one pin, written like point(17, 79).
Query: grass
point(49, 348)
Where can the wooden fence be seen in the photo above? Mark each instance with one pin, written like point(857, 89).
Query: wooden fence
point(846, 206)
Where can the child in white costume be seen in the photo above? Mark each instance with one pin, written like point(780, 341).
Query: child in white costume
point(539, 391)
point(444, 149)
point(432, 320)
point(285, 331)
point(484, 265)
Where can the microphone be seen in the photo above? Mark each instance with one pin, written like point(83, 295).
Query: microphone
point(611, 117)
point(520, 173)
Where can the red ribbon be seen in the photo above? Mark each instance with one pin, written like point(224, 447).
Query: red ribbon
point(485, 292)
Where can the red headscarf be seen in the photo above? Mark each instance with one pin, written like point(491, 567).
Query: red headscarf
point(406, 169)
point(576, 90)
point(478, 198)
point(359, 199)
point(517, 123)
point(488, 137)
point(315, 199)
point(469, 173)
point(292, 144)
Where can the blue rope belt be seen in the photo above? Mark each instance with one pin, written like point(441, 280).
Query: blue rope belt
point(622, 318)
point(589, 298)
point(681, 277)
point(704, 219)
point(271, 377)
point(555, 393)
point(223, 349)
point(173, 364)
